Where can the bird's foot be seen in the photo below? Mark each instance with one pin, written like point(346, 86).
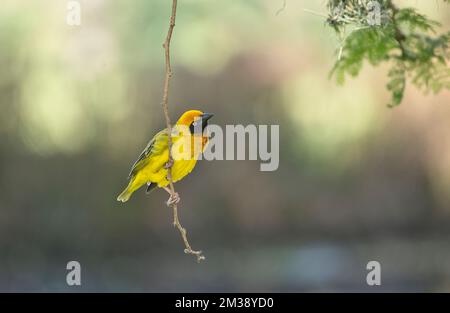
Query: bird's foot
point(168, 164)
point(173, 199)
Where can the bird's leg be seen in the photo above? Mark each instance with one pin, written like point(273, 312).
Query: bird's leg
point(174, 197)
point(168, 190)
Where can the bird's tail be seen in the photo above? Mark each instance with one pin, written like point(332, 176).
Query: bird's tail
point(126, 194)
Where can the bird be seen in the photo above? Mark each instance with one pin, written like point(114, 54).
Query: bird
point(151, 167)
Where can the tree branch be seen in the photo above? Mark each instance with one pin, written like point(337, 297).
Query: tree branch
point(165, 105)
point(399, 35)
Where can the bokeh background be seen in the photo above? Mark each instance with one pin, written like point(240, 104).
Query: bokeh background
point(357, 181)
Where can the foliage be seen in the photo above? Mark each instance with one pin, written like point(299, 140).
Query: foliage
point(403, 38)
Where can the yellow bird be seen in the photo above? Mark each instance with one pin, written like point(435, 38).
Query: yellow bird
point(188, 142)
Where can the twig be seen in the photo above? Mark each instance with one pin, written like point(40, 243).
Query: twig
point(165, 105)
point(315, 13)
point(282, 8)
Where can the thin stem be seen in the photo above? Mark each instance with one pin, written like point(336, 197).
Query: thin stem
point(315, 13)
point(165, 105)
point(282, 8)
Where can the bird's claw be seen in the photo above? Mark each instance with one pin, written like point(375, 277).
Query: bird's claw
point(173, 199)
point(168, 164)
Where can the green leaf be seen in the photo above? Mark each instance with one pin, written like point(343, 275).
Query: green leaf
point(405, 40)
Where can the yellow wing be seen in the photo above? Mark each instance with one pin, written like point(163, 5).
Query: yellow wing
point(155, 147)
point(154, 154)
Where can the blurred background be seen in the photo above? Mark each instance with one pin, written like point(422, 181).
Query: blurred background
point(357, 181)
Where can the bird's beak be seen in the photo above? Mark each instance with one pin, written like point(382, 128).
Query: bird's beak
point(206, 116)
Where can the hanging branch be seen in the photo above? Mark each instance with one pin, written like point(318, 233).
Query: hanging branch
point(165, 105)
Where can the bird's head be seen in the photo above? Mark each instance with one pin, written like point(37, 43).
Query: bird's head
point(194, 119)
